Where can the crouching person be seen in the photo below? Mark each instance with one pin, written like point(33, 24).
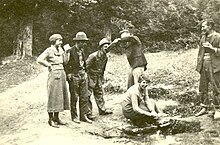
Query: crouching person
point(138, 107)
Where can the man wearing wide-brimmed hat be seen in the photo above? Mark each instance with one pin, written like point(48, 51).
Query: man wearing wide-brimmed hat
point(77, 79)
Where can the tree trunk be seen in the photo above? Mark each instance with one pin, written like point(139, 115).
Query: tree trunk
point(107, 28)
point(24, 40)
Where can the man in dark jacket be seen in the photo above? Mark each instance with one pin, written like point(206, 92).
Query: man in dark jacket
point(95, 66)
point(135, 56)
point(77, 79)
point(208, 65)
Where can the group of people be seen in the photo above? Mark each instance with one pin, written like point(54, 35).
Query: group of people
point(140, 109)
point(85, 76)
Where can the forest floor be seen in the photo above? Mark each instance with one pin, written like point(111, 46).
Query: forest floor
point(23, 101)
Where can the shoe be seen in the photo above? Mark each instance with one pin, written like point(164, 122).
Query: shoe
point(162, 114)
point(84, 118)
point(52, 123)
point(203, 105)
point(59, 122)
point(163, 122)
point(91, 117)
point(106, 112)
point(202, 112)
point(76, 120)
point(211, 114)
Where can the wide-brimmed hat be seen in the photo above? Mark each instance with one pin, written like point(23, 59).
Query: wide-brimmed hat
point(54, 37)
point(81, 36)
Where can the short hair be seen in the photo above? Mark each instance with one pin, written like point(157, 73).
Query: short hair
point(143, 77)
point(210, 22)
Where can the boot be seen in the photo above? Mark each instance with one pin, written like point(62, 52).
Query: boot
point(51, 120)
point(74, 117)
point(57, 120)
point(201, 112)
point(91, 117)
point(85, 119)
point(106, 112)
point(76, 120)
point(52, 123)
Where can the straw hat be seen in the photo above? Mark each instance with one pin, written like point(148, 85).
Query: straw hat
point(81, 36)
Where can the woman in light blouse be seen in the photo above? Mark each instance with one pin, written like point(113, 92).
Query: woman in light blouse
point(138, 107)
point(54, 58)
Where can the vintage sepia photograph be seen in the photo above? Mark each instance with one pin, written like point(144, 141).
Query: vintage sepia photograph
point(110, 72)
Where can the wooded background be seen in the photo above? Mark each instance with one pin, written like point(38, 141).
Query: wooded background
point(25, 25)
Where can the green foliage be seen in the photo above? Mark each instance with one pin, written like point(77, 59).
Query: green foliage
point(160, 24)
point(168, 26)
point(47, 15)
point(8, 29)
point(212, 10)
point(51, 19)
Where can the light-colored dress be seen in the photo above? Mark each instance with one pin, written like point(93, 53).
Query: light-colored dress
point(58, 99)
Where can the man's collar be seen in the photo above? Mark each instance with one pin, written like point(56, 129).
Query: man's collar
point(211, 34)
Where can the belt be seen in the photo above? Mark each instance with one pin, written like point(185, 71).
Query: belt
point(80, 73)
point(57, 66)
point(206, 56)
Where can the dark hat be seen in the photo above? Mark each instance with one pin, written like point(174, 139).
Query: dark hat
point(81, 36)
point(103, 41)
point(54, 37)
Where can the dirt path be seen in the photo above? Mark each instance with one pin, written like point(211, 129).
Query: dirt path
point(23, 121)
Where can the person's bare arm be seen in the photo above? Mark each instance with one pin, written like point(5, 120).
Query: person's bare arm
point(136, 108)
point(113, 44)
point(42, 59)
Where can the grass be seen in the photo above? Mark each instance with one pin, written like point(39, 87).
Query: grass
point(173, 77)
point(15, 71)
point(167, 69)
point(172, 74)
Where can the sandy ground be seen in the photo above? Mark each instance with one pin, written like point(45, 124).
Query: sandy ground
point(23, 121)
point(24, 118)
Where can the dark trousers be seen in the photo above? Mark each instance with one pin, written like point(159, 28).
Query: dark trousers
point(78, 87)
point(139, 119)
point(130, 81)
point(208, 77)
point(134, 74)
point(95, 86)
